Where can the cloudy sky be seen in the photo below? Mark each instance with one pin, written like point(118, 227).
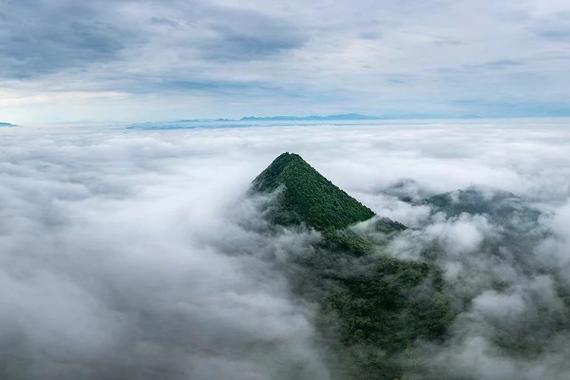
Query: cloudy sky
point(132, 60)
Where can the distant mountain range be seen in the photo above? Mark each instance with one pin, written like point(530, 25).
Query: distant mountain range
point(240, 122)
point(4, 124)
point(342, 116)
point(229, 123)
point(331, 117)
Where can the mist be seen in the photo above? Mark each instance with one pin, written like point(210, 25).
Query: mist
point(130, 253)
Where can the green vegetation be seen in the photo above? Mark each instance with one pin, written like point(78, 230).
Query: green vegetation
point(374, 309)
point(390, 304)
point(308, 197)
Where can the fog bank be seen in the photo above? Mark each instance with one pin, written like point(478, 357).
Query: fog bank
point(137, 254)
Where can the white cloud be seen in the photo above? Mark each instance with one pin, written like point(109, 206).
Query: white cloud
point(127, 253)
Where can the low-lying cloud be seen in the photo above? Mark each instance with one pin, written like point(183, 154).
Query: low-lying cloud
point(137, 254)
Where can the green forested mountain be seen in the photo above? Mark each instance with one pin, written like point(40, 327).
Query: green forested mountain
point(308, 197)
point(373, 307)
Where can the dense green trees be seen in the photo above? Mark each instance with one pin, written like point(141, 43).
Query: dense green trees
point(373, 308)
point(309, 197)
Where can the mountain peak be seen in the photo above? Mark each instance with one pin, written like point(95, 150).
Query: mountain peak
point(271, 177)
point(308, 197)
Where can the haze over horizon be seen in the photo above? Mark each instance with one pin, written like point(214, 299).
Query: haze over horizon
point(132, 61)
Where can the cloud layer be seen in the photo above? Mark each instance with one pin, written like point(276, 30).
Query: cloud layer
point(135, 254)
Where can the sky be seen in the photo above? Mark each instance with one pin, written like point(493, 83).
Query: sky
point(145, 265)
point(125, 60)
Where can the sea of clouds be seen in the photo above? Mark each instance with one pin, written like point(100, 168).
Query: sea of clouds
point(136, 254)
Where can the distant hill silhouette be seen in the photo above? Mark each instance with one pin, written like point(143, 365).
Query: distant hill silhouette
point(342, 116)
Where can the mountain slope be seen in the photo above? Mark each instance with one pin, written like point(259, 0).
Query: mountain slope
point(308, 197)
point(373, 308)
